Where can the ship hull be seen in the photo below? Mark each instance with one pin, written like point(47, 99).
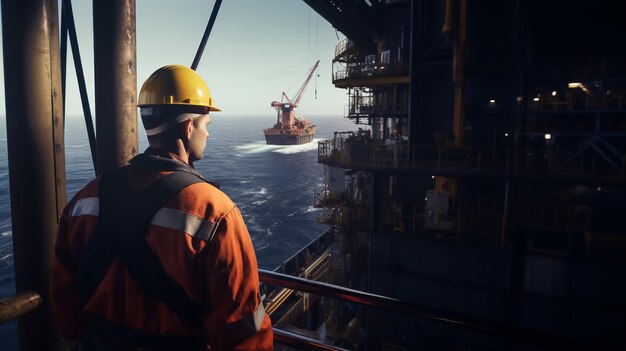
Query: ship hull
point(288, 137)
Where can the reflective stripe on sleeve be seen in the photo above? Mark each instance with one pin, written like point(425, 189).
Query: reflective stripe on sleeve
point(89, 206)
point(247, 326)
point(184, 222)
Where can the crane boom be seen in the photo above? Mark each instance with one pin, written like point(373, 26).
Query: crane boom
point(306, 82)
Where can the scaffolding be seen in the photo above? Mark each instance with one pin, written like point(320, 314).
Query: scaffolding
point(386, 102)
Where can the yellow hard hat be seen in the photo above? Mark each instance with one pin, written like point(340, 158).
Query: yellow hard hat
point(175, 85)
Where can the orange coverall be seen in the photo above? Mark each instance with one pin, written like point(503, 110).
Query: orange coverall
point(219, 274)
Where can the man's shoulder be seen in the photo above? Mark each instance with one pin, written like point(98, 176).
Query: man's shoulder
point(203, 200)
point(89, 190)
point(88, 193)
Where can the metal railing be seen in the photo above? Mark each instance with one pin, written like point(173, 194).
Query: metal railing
point(471, 216)
point(365, 70)
point(464, 220)
point(468, 160)
point(301, 342)
point(366, 104)
point(343, 46)
point(24, 302)
point(438, 316)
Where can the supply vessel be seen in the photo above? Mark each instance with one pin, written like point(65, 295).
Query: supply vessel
point(289, 129)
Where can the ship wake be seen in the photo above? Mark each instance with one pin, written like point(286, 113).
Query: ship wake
point(260, 147)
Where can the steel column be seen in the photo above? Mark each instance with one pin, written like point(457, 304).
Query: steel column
point(115, 82)
point(458, 76)
point(34, 116)
point(415, 114)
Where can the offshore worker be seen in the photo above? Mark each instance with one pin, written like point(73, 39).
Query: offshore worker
point(151, 256)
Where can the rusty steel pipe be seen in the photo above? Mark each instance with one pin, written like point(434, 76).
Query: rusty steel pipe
point(115, 82)
point(16, 306)
point(34, 117)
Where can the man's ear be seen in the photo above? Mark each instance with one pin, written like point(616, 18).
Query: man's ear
point(185, 129)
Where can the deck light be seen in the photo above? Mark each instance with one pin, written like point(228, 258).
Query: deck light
point(536, 99)
point(553, 92)
point(574, 85)
point(506, 134)
point(492, 101)
point(547, 136)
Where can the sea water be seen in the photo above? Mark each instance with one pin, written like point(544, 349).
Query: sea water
point(273, 185)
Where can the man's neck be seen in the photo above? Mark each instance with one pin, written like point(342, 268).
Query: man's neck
point(176, 149)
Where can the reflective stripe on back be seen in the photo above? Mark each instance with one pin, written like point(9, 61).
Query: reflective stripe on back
point(185, 222)
point(89, 206)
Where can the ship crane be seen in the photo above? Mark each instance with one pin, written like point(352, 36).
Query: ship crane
point(288, 129)
point(285, 109)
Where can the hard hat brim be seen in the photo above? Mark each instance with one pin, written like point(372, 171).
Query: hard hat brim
point(211, 108)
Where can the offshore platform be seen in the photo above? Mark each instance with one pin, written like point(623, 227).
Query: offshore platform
point(488, 177)
point(289, 129)
point(479, 205)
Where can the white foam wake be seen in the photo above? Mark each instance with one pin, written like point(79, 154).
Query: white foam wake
point(261, 146)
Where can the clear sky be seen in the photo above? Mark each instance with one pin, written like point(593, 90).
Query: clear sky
point(257, 49)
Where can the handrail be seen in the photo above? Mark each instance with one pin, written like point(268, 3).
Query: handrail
point(301, 342)
point(439, 316)
point(343, 47)
point(18, 305)
point(24, 302)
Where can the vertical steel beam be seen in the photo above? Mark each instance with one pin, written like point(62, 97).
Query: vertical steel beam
point(416, 118)
point(34, 116)
point(115, 82)
point(459, 75)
